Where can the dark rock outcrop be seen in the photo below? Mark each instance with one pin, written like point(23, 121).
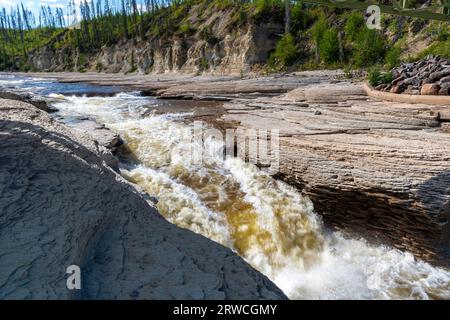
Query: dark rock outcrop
point(30, 98)
point(61, 205)
point(427, 77)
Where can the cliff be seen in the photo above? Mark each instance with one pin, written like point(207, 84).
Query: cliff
point(62, 205)
point(215, 37)
point(213, 43)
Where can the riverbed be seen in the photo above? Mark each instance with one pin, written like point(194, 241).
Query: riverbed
point(268, 222)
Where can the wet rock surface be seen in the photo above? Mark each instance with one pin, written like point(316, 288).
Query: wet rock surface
point(61, 205)
point(188, 87)
point(38, 102)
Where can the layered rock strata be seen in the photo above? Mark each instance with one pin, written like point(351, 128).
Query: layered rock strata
point(373, 168)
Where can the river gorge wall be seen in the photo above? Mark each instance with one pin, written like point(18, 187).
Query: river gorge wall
point(61, 204)
point(217, 47)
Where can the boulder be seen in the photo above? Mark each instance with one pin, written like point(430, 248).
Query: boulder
point(414, 90)
point(445, 89)
point(36, 101)
point(436, 76)
point(430, 89)
point(381, 86)
point(445, 79)
point(396, 89)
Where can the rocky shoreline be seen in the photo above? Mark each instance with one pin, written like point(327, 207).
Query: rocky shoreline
point(62, 204)
point(424, 77)
point(27, 97)
point(372, 168)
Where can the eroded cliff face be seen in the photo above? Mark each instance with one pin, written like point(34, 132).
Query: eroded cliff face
point(215, 48)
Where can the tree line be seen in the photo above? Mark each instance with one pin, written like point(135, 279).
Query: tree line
point(99, 21)
point(90, 24)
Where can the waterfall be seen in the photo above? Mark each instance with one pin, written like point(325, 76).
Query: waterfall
point(267, 222)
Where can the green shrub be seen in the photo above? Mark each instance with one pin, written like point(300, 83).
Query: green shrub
point(387, 77)
point(353, 25)
point(392, 58)
point(177, 12)
point(286, 52)
point(185, 28)
point(348, 73)
point(318, 29)
point(369, 48)
point(206, 33)
point(224, 4)
point(438, 49)
point(329, 46)
point(263, 6)
point(299, 18)
point(82, 60)
point(204, 64)
point(268, 10)
point(99, 66)
point(376, 77)
point(239, 18)
point(23, 66)
point(156, 30)
point(443, 34)
point(132, 62)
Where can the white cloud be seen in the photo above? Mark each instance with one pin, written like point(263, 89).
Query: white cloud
point(6, 3)
point(48, 3)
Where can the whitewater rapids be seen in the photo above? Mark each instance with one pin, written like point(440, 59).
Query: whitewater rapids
point(270, 224)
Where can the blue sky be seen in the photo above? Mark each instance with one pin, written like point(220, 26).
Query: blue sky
point(34, 5)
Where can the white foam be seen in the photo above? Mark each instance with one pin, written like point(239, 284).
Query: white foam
point(181, 204)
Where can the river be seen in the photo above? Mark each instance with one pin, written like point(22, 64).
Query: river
point(267, 222)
